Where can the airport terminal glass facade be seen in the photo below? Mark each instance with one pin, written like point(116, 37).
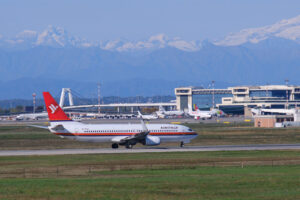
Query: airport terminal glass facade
point(205, 101)
point(184, 102)
point(280, 94)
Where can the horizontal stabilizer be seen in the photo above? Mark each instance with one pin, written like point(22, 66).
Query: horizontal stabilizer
point(58, 128)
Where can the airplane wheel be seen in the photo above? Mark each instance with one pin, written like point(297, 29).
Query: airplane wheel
point(129, 146)
point(114, 146)
point(181, 144)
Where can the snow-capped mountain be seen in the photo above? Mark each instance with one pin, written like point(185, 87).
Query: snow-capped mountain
point(51, 36)
point(58, 37)
point(154, 42)
point(287, 28)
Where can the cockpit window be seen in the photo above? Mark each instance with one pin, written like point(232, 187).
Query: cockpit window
point(190, 129)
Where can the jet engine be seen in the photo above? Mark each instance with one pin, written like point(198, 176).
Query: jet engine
point(152, 141)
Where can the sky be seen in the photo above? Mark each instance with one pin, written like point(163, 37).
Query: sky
point(139, 19)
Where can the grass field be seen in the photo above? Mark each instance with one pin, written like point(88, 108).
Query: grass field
point(196, 175)
point(181, 175)
point(198, 183)
point(23, 137)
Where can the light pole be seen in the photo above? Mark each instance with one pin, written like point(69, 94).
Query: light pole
point(287, 93)
point(33, 98)
point(213, 93)
point(99, 102)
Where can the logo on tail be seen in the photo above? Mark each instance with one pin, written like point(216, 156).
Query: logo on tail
point(55, 113)
point(53, 108)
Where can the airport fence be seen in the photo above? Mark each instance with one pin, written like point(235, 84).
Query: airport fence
point(104, 169)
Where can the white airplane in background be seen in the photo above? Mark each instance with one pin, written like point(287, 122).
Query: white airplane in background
point(32, 116)
point(197, 114)
point(205, 114)
point(147, 117)
point(259, 111)
point(118, 134)
point(162, 111)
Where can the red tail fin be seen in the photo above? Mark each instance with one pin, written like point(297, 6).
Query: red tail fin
point(55, 112)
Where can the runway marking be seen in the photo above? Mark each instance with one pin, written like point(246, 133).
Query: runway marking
point(151, 150)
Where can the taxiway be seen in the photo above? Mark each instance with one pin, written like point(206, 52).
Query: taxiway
point(152, 150)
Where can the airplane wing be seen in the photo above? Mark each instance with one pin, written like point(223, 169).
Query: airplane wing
point(133, 139)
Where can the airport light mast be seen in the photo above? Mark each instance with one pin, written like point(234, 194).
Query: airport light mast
point(99, 99)
point(287, 93)
point(213, 93)
point(33, 98)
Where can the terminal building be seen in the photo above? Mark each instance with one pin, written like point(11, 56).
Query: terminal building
point(240, 99)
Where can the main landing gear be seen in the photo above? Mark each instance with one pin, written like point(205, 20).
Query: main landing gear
point(116, 145)
point(181, 144)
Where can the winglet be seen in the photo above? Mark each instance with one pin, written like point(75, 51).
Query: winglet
point(145, 129)
point(55, 113)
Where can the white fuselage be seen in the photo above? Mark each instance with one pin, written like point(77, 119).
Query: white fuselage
point(148, 117)
point(171, 113)
point(200, 114)
point(109, 132)
point(32, 116)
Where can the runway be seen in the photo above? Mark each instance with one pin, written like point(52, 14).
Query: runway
point(151, 150)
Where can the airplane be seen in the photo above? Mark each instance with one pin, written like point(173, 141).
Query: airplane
point(205, 114)
point(32, 116)
point(197, 114)
point(260, 111)
point(162, 111)
point(147, 117)
point(127, 135)
point(217, 112)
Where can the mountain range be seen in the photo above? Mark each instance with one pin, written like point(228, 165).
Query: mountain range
point(33, 62)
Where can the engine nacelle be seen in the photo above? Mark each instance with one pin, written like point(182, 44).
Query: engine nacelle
point(152, 141)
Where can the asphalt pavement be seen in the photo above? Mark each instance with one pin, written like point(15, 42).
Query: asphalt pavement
point(151, 149)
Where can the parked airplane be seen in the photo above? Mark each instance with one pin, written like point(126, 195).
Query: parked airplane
point(162, 111)
point(262, 111)
point(32, 116)
point(197, 114)
point(147, 117)
point(118, 134)
point(205, 114)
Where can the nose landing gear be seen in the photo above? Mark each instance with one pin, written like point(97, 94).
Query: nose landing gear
point(181, 144)
point(115, 146)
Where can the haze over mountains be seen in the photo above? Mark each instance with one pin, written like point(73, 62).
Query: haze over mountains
point(33, 62)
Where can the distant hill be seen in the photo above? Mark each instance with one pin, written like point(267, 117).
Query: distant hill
point(24, 87)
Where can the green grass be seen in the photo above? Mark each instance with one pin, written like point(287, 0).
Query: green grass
point(178, 175)
point(263, 182)
point(80, 164)
point(151, 157)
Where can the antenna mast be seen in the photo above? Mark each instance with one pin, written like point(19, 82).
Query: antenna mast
point(99, 99)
